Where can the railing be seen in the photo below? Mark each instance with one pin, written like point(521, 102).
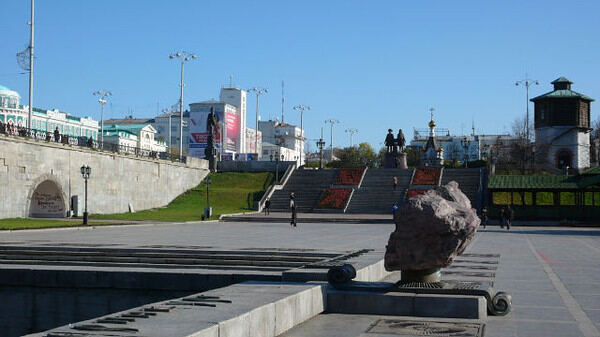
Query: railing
point(82, 141)
point(276, 186)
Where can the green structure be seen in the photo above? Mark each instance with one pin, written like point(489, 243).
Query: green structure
point(547, 196)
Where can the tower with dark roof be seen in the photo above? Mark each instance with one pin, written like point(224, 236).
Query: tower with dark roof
point(562, 126)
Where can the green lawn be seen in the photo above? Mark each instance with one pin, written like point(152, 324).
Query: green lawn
point(230, 192)
point(26, 223)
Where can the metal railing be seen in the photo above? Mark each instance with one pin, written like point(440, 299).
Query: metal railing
point(82, 141)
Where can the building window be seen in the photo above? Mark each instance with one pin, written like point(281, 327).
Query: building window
point(564, 158)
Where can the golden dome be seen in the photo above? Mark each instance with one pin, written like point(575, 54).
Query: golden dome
point(432, 124)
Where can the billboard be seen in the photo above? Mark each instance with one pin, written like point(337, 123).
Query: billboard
point(229, 128)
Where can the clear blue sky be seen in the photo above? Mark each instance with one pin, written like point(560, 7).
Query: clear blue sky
point(370, 64)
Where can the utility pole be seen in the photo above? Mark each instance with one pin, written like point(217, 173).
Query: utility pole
point(332, 122)
point(183, 57)
point(527, 82)
point(282, 101)
point(351, 132)
point(301, 108)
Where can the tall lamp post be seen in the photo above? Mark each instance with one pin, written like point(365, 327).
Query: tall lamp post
point(332, 122)
point(465, 143)
point(168, 111)
point(301, 108)
point(258, 92)
point(102, 100)
point(527, 82)
point(183, 56)
point(86, 171)
point(351, 132)
point(321, 145)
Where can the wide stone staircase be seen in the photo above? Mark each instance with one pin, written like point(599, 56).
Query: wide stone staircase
point(376, 195)
point(307, 185)
point(468, 181)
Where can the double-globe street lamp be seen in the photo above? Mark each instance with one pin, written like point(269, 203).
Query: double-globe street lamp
point(351, 131)
point(183, 56)
point(301, 108)
point(527, 82)
point(86, 171)
point(332, 122)
point(258, 92)
point(102, 100)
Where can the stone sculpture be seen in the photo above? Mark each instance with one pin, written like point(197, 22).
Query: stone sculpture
point(432, 229)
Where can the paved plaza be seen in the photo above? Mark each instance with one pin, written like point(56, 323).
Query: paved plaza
point(552, 273)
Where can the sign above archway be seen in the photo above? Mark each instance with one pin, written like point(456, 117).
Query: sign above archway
point(47, 201)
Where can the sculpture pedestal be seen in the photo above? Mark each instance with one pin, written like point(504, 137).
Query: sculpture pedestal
point(430, 275)
point(395, 160)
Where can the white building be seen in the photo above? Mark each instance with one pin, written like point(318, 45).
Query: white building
point(282, 135)
point(12, 113)
point(130, 137)
point(161, 124)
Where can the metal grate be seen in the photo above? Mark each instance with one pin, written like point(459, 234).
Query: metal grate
point(411, 328)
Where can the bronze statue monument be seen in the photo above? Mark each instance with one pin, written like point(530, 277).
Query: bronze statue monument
point(212, 126)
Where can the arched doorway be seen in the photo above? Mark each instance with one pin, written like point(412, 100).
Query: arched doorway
point(47, 201)
point(564, 158)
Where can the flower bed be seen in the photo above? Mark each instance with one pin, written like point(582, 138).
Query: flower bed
point(414, 193)
point(426, 176)
point(349, 176)
point(335, 198)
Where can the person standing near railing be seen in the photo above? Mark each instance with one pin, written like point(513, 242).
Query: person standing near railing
point(56, 135)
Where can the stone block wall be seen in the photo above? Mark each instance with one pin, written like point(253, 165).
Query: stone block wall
point(117, 181)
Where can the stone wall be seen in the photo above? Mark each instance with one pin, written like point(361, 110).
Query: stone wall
point(49, 174)
point(252, 166)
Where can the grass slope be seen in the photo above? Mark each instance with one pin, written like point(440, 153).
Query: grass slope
point(230, 192)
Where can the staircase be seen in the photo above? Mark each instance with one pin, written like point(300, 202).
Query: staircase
point(376, 195)
point(307, 185)
point(468, 181)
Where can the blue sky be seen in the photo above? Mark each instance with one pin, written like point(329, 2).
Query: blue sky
point(370, 64)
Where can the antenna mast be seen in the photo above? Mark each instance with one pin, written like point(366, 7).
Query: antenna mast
point(282, 100)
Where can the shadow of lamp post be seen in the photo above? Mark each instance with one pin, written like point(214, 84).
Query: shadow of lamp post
point(208, 209)
point(85, 173)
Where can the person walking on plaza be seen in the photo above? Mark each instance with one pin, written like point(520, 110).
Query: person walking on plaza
point(484, 217)
point(509, 214)
point(395, 182)
point(56, 134)
point(293, 207)
point(267, 206)
point(502, 216)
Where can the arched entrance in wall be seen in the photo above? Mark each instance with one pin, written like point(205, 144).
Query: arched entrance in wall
point(564, 158)
point(47, 201)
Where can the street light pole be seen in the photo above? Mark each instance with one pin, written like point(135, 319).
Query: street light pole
point(320, 145)
point(102, 100)
point(168, 111)
point(86, 171)
point(527, 82)
point(30, 112)
point(332, 122)
point(301, 108)
point(258, 92)
point(465, 143)
point(351, 132)
point(183, 56)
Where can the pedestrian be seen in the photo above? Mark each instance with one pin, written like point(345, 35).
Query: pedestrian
point(395, 182)
point(1, 127)
point(509, 217)
point(395, 209)
point(267, 206)
point(502, 216)
point(293, 207)
point(484, 217)
point(56, 134)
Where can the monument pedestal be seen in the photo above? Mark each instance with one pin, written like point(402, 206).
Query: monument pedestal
point(395, 160)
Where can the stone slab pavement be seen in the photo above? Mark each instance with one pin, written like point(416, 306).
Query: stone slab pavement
point(553, 273)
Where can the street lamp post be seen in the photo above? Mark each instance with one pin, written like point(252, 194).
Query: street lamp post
point(86, 171)
point(465, 143)
point(168, 111)
point(258, 92)
point(332, 122)
point(277, 167)
point(351, 132)
point(102, 100)
point(527, 82)
point(208, 209)
point(183, 56)
point(301, 108)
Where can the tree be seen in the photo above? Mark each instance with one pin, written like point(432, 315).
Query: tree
point(355, 156)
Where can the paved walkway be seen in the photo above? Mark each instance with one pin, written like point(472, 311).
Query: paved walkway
point(553, 273)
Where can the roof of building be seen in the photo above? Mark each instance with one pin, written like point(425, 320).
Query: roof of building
point(132, 128)
point(6, 91)
point(562, 93)
point(543, 182)
point(122, 121)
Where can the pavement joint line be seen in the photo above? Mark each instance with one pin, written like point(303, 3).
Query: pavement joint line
point(585, 324)
point(588, 245)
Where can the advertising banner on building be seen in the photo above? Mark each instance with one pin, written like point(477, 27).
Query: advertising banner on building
point(232, 127)
point(199, 133)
